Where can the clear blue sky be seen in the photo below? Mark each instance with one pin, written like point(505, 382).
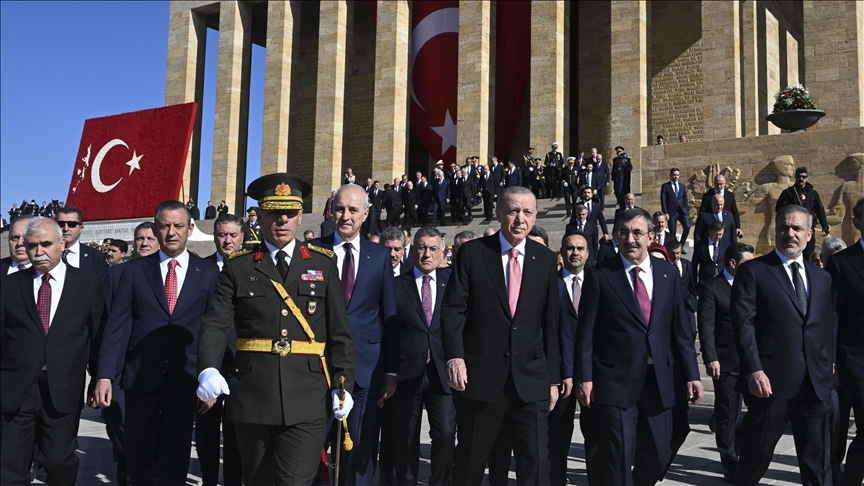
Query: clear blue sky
point(64, 62)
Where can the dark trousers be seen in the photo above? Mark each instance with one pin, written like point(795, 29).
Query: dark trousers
point(646, 427)
point(39, 432)
point(684, 219)
point(487, 205)
point(726, 398)
point(160, 419)
point(764, 424)
point(561, 424)
point(115, 429)
point(853, 384)
point(356, 464)
point(438, 209)
point(393, 217)
point(207, 432)
point(281, 455)
point(407, 419)
point(527, 422)
point(500, 457)
point(383, 453)
point(619, 197)
point(601, 194)
point(455, 211)
point(590, 433)
point(811, 246)
point(569, 198)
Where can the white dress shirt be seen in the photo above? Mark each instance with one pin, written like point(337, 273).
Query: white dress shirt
point(14, 267)
point(418, 279)
point(787, 262)
point(711, 246)
point(505, 257)
point(646, 275)
point(568, 280)
point(339, 250)
point(220, 262)
point(74, 256)
point(289, 251)
point(397, 270)
point(58, 278)
point(179, 270)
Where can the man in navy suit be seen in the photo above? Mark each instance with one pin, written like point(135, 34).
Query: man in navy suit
point(847, 270)
point(717, 213)
point(785, 321)
point(708, 255)
point(155, 316)
point(17, 259)
point(583, 225)
point(728, 198)
point(422, 377)
point(371, 302)
point(513, 177)
point(631, 331)
point(77, 255)
point(440, 196)
point(673, 202)
point(601, 171)
point(595, 212)
point(688, 276)
point(499, 173)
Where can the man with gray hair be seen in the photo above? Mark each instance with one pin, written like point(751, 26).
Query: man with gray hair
point(41, 396)
point(17, 259)
point(462, 237)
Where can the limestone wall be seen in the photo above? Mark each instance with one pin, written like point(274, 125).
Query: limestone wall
point(747, 164)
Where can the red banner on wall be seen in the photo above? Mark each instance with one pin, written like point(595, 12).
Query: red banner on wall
point(127, 164)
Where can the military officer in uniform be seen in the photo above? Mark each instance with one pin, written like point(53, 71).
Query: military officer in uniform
point(570, 183)
point(283, 298)
point(529, 171)
point(251, 229)
point(554, 162)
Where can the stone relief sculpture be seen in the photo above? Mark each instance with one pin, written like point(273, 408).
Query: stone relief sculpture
point(839, 210)
point(703, 180)
point(764, 196)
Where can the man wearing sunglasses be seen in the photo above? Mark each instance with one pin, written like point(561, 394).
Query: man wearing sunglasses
point(71, 221)
point(804, 194)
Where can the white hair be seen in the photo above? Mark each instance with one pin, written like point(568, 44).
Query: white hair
point(348, 187)
point(40, 222)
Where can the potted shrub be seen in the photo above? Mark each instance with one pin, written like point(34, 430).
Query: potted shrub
point(794, 110)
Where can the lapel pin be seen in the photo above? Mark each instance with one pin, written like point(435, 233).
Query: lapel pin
point(251, 278)
point(664, 275)
point(197, 269)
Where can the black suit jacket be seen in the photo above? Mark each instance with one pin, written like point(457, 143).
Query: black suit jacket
point(477, 325)
point(704, 266)
point(392, 200)
point(514, 179)
point(847, 270)
point(417, 339)
point(775, 336)
point(93, 261)
point(704, 220)
point(210, 212)
point(499, 174)
point(729, 204)
point(5, 264)
point(688, 280)
point(715, 324)
point(64, 349)
point(569, 320)
point(606, 251)
point(591, 235)
point(613, 341)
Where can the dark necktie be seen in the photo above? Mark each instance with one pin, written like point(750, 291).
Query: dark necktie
point(43, 302)
point(281, 264)
point(64, 254)
point(716, 259)
point(348, 273)
point(171, 285)
point(641, 295)
point(800, 291)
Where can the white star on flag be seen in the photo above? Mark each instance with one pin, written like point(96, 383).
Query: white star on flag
point(447, 133)
point(133, 164)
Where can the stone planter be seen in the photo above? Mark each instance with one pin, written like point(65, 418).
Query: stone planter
point(795, 120)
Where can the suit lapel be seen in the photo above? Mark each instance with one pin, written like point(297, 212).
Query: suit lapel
point(363, 263)
point(619, 279)
point(660, 291)
point(268, 268)
point(529, 268)
point(294, 271)
point(153, 274)
point(855, 259)
point(727, 289)
point(411, 290)
point(779, 272)
point(67, 297)
point(492, 255)
point(29, 299)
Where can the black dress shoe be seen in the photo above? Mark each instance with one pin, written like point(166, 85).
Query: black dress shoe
point(729, 474)
point(683, 251)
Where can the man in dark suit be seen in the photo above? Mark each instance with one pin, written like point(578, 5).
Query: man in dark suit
point(717, 213)
point(720, 355)
point(785, 320)
point(607, 250)
point(228, 238)
point(673, 202)
point(440, 196)
point(571, 278)
point(425, 201)
point(499, 173)
point(708, 255)
point(570, 184)
point(513, 177)
point(587, 177)
point(847, 271)
point(553, 162)
point(50, 312)
point(393, 205)
point(583, 225)
point(280, 383)
point(75, 254)
point(489, 189)
point(631, 331)
point(422, 377)
point(370, 294)
point(17, 259)
point(412, 199)
point(728, 198)
point(629, 203)
point(688, 277)
point(154, 318)
point(222, 208)
point(601, 170)
point(210, 211)
point(193, 210)
point(595, 212)
point(457, 183)
point(503, 376)
point(621, 169)
point(466, 198)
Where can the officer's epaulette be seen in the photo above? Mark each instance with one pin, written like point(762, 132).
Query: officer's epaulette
point(238, 253)
point(323, 251)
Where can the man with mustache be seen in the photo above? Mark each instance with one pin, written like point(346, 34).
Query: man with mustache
point(784, 320)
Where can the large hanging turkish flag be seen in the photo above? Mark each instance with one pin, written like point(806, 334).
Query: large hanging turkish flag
point(434, 64)
point(127, 164)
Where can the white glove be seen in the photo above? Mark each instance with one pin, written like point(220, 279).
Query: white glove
point(211, 385)
point(347, 405)
point(565, 184)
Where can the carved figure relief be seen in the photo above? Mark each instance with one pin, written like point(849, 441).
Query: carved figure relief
point(839, 210)
point(703, 180)
point(764, 196)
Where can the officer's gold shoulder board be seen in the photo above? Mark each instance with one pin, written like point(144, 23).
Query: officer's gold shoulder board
point(323, 251)
point(239, 253)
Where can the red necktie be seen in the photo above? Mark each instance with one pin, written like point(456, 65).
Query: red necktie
point(515, 280)
point(171, 285)
point(641, 295)
point(43, 302)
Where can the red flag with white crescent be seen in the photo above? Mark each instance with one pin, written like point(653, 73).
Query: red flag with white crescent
point(127, 164)
point(434, 64)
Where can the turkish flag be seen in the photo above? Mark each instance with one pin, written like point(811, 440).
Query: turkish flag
point(434, 61)
point(127, 164)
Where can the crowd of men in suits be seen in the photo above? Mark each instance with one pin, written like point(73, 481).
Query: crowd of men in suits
point(289, 346)
point(32, 208)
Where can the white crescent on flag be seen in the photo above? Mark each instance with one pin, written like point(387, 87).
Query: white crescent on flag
point(96, 177)
point(438, 22)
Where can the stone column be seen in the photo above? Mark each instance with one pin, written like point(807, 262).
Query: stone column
point(834, 56)
point(721, 65)
point(330, 100)
point(390, 119)
point(772, 64)
point(472, 98)
point(547, 75)
point(184, 81)
point(791, 60)
point(231, 122)
point(628, 83)
point(277, 85)
point(751, 70)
